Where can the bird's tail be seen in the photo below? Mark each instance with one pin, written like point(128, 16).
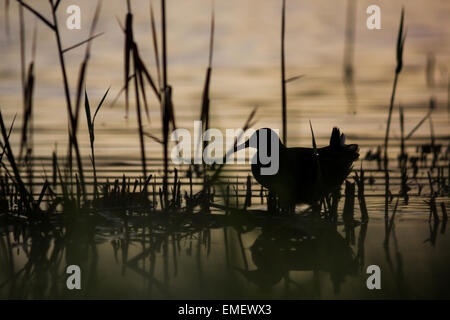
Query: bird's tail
point(337, 141)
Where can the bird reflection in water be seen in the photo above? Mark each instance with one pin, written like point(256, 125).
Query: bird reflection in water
point(317, 247)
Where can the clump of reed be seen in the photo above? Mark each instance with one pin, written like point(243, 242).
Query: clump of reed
point(124, 196)
point(132, 57)
point(20, 197)
point(74, 196)
point(72, 110)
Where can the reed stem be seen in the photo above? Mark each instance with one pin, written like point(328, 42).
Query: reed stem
point(400, 45)
point(283, 72)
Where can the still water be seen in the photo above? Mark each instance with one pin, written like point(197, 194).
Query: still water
point(260, 258)
point(287, 260)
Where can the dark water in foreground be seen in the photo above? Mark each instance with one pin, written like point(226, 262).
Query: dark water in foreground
point(251, 257)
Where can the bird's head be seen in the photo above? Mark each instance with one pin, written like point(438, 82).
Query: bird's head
point(268, 145)
point(264, 137)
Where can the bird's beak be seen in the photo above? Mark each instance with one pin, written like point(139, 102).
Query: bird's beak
point(244, 145)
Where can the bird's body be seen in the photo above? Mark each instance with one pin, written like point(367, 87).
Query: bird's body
point(303, 176)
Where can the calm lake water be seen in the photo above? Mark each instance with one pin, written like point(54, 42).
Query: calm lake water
point(266, 259)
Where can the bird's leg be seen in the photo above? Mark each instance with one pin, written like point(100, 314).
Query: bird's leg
point(315, 208)
point(292, 208)
point(285, 207)
point(271, 203)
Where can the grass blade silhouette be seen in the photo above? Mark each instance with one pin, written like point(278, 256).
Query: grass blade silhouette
point(400, 45)
point(283, 73)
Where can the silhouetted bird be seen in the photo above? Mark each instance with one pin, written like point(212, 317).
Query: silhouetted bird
point(303, 176)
